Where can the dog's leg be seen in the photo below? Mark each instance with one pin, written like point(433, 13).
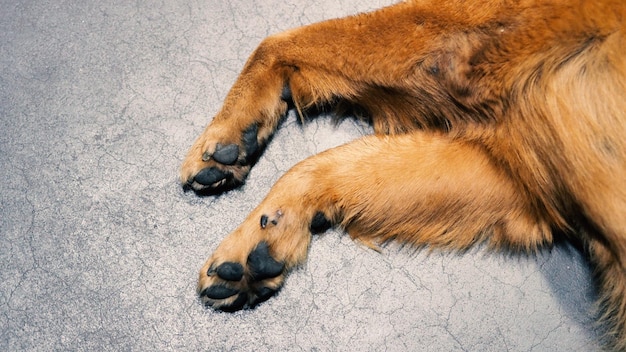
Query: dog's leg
point(339, 59)
point(416, 188)
point(609, 256)
point(612, 303)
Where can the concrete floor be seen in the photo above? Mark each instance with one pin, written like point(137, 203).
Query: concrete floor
point(100, 246)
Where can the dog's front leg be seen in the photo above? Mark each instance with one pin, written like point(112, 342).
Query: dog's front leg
point(350, 58)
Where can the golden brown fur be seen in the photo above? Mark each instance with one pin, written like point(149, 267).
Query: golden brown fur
point(498, 121)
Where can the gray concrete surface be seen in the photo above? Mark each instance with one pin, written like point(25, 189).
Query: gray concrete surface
point(100, 246)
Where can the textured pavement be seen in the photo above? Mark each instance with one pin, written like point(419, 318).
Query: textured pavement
point(100, 246)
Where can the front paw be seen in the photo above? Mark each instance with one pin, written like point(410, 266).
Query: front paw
point(218, 161)
point(231, 286)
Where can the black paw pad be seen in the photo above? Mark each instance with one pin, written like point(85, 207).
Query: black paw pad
point(237, 304)
point(319, 223)
point(262, 295)
point(219, 292)
point(262, 265)
point(210, 176)
point(230, 271)
point(249, 140)
point(226, 154)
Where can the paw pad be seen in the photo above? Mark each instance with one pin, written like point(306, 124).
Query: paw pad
point(226, 154)
point(229, 271)
point(319, 223)
point(250, 142)
point(210, 176)
point(262, 265)
point(219, 292)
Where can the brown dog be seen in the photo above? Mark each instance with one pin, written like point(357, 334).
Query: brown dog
point(498, 121)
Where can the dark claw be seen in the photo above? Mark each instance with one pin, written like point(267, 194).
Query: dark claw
point(262, 265)
point(226, 154)
point(210, 176)
point(319, 223)
point(230, 271)
point(219, 292)
point(265, 219)
point(250, 142)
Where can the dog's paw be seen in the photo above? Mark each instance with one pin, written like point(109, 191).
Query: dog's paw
point(232, 285)
point(220, 159)
point(250, 265)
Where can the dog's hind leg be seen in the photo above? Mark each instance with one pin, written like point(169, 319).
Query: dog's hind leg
point(611, 274)
point(417, 188)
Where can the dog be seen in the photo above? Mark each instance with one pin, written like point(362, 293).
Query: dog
point(495, 121)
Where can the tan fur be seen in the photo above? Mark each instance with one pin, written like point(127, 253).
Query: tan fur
point(496, 121)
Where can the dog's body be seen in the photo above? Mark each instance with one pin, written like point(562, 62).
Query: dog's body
point(501, 121)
